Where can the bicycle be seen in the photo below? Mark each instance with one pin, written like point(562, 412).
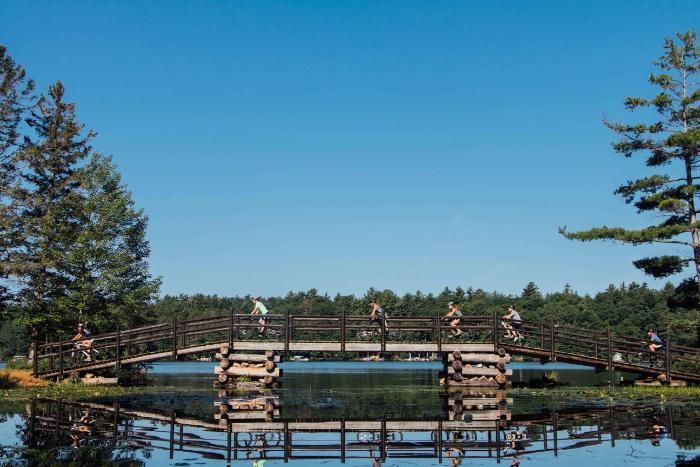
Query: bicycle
point(512, 333)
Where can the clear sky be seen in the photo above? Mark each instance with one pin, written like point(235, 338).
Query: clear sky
point(341, 145)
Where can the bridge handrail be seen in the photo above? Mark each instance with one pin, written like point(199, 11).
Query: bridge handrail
point(545, 336)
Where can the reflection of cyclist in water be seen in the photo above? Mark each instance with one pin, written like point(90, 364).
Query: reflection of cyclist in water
point(81, 429)
point(515, 462)
point(455, 451)
point(657, 430)
point(376, 462)
point(255, 462)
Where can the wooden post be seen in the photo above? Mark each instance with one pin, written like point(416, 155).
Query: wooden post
point(383, 445)
point(542, 336)
point(342, 349)
point(342, 436)
point(439, 331)
point(610, 359)
point(612, 426)
point(287, 442)
point(495, 333)
point(172, 434)
point(60, 360)
point(230, 331)
point(544, 436)
point(287, 331)
point(556, 435)
point(228, 440)
point(490, 439)
point(553, 348)
point(32, 422)
point(383, 330)
point(118, 362)
point(439, 435)
point(115, 428)
point(595, 347)
point(35, 359)
point(128, 343)
point(174, 350)
point(498, 442)
point(668, 355)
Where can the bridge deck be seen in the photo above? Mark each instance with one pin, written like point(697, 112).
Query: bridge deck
point(292, 334)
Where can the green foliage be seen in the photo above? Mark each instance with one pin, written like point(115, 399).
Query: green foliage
point(675, 137)
point(72, 244)
point(110, 283)
point(47, 201)
point(629, 309)
point(16, 97)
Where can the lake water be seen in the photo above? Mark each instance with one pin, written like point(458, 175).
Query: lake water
point(354, 414)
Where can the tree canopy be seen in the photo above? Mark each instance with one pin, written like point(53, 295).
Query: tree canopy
point(72, 244)
point(670, 143)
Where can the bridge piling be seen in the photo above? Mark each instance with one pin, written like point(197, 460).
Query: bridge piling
point(259, 369)
point(476, 368)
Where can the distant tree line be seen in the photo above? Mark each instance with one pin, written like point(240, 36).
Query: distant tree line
point(628, 309)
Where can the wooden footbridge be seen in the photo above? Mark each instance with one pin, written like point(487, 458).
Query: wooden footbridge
point(480, 435)
point(350, 333)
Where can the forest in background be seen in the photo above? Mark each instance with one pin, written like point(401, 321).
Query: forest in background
point(628, 309)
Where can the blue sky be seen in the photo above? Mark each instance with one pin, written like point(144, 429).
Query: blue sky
point(342, 145)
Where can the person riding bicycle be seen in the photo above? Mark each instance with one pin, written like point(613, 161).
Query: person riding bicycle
point(260, 309)
point(84, 342)
point(655, 342)
point(377, 315)
point(512, 322)
point(454, 316)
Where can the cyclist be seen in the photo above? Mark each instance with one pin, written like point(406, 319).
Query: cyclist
point(655, 342)
point(454, 316)
point(84, 342)
point(512, 322)
point(260, 309)
point(377, 315)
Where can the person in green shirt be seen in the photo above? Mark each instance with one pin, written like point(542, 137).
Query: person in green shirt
point(260, 309)
point(454, 316)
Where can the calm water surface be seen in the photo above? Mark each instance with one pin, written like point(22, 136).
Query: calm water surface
point(367, 414)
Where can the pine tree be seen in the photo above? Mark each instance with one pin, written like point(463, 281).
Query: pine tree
point(47, 201)
point(109, 278)
point(671, 145)
point(531, 299)
point(16, 97)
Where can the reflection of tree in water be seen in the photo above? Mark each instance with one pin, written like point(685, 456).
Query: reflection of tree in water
point(57, 452)
point(50, 448)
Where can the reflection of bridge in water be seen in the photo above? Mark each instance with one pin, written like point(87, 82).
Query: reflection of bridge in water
point(493, 432)
point(348, 333)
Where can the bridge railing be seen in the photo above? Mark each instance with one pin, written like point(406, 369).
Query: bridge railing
point(547, 340)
